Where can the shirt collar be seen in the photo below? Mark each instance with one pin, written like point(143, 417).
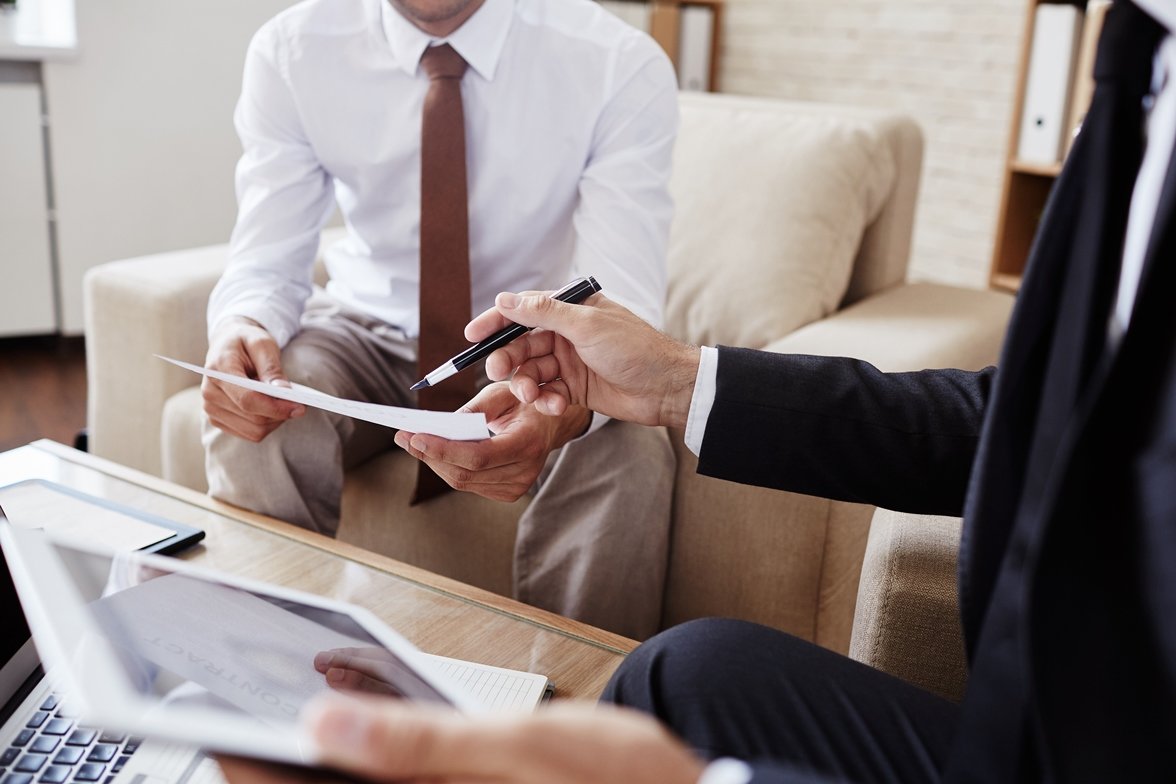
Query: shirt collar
point(479, 41)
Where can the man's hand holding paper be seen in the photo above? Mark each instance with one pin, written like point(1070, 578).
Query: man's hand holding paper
point(453, 426)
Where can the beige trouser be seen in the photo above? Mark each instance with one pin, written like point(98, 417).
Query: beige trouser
point(592, 545)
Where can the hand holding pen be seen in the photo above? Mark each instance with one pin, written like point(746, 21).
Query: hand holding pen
point(599, 356)
point(576, 291)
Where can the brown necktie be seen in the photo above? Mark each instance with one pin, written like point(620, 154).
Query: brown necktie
point(445, 249)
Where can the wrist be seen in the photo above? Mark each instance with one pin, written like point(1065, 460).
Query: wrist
point(229, 324)
point(680, 374)
point(572, 424)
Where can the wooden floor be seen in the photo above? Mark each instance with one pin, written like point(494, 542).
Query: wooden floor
point(42, 389)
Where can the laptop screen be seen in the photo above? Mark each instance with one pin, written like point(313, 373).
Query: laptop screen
point(18, 659)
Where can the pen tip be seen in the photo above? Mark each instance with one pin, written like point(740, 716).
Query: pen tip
point(422, 384)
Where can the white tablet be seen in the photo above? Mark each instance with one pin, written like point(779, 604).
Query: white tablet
point(157, 647)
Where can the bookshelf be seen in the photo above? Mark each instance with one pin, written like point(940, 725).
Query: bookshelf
point(1027, 184)
point(674, 24)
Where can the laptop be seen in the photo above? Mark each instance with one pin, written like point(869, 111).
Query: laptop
point(152, 646)
point(42, 740)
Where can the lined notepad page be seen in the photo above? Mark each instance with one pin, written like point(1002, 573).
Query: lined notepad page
point(495, 688)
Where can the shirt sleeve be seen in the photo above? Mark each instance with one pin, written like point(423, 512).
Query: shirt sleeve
point(622, 221)
point(703, 398)
point(284, 199)
point(726, 771)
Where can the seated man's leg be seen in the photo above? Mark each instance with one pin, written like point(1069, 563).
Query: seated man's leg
point(593, 543)
point(296, 472)
point(735, 689)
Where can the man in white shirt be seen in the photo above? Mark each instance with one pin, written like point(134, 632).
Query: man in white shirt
point(569, 119)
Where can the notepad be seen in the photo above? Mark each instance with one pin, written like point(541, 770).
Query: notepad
point(495, 688)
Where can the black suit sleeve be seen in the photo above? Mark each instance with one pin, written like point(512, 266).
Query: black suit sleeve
point(840, 428)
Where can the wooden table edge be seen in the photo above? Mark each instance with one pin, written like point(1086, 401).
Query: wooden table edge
point(491, 601)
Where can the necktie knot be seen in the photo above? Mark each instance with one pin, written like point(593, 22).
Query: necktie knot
point(443, 62)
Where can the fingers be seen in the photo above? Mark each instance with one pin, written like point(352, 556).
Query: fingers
point(243, 348)
point(336, 657)
point(490, 321)
point(228, 416)
point(390, 741)
point(538, 309)
point(493, 471)
point(264, 356)
point(502, 468)
point(343, 679)
point(552, 398)
point(396, 741)
point(503, 362)
point(356, 669)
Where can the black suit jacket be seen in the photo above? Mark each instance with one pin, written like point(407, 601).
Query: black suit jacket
point(1063, 464)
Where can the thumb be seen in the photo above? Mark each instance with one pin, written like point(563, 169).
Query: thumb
point(540, 310)
point(387, 739)
point(266, 359)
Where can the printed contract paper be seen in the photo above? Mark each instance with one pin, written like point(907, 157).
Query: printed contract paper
point(454, 426)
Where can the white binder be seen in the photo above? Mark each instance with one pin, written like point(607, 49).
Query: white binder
point(1045, 113)
point(695, 30)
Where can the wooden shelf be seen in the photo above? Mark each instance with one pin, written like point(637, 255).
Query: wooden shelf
point(1038, 169)
point(1005, 282)
point(1027, 184)
point(664, 25)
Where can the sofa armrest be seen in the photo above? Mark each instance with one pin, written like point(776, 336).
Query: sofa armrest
point(135, 309)
point(911, 327)
point(907, 620)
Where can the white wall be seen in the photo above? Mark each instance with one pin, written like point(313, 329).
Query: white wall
point(951, 64)
point(141, 130)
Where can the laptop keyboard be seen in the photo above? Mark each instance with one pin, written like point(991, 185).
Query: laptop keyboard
point(53, 749)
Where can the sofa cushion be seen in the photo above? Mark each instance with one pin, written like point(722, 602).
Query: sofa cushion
point(778, 201)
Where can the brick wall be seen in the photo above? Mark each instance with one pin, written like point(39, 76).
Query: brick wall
point(951, 64)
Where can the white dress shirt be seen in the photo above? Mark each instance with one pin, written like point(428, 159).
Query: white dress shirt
point(570, 122)
point(1161, 137)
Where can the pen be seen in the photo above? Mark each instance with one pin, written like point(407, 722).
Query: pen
point(576, 291)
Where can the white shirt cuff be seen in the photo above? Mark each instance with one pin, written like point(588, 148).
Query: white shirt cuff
point(726, 771)
point(703, 399)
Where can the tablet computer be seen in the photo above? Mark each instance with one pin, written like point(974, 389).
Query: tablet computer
point(76, 515)
point(157, 647)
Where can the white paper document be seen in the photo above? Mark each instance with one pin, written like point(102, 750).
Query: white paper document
point(454, 426)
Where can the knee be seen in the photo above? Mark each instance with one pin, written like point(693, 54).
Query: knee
point(641, 448)
point(313, 359)
point(683, 662)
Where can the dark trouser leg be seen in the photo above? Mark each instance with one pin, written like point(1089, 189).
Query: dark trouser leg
point(735, 689)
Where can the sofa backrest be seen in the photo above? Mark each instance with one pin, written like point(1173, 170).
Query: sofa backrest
point(785, 212)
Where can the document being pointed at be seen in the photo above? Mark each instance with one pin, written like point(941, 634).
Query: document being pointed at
point(454, 426)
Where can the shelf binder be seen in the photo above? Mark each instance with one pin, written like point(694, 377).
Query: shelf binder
point(635, 14)
point(694, 47)
point(1045, 114)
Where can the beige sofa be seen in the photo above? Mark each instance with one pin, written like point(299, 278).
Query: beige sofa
point(792, 233)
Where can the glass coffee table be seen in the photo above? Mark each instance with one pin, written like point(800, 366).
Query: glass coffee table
point(439, 615)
